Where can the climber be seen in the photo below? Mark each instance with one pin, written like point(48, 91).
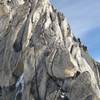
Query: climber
point(66, 87)
point(63, 96)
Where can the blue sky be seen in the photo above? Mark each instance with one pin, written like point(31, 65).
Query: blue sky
point(84, 19)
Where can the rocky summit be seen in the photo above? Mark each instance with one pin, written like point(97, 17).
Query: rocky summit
point(40, 58)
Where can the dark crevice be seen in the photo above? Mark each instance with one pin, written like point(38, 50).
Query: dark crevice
point(17, 46)
point(71, 49)
point(77, 74)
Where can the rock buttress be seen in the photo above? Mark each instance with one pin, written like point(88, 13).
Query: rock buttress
point(40, 58)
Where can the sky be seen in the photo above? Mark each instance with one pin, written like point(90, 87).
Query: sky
point(84, 19)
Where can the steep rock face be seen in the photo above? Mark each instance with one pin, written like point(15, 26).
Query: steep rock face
point(40, 58)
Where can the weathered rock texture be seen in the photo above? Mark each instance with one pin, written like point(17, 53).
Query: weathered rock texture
point(40, 58)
